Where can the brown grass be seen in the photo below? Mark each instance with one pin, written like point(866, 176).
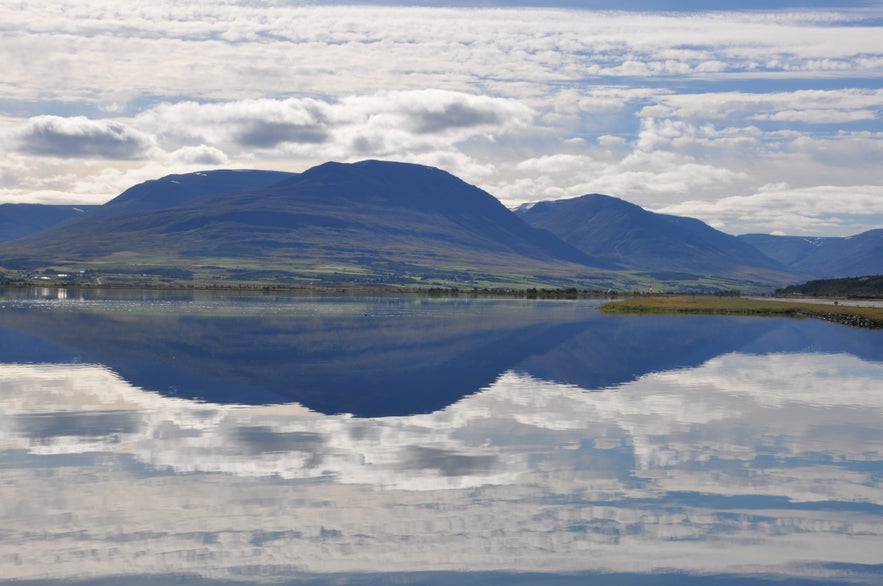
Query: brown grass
point(706, 304)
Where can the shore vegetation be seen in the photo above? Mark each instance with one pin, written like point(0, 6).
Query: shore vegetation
point(869, 317)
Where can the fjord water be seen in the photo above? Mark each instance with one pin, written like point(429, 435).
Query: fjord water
point(205, 437)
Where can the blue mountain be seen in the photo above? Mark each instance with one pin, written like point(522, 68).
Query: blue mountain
point(367, 222)
point(18, 220)
point(620, 232)
point(180, 189)
point(827, 257)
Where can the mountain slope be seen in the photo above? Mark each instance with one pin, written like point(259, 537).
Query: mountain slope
point(828, 257)
point(623, 233)
point(18, 220)
point(374, 221)
point(175, 190)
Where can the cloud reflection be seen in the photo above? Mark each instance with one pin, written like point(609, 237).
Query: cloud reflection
point(744, 464)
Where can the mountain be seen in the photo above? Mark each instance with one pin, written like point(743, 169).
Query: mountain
point(367, 222)
point(175, 190)
point(18, 220)
point(21, 220)
point(828, 257)
point(620, 232)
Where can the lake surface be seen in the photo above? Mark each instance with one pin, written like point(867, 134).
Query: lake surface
point(218, 438)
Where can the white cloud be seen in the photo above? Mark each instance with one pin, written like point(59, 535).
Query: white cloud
point(426, 126)
point(80, 137)
point(818, 116)
point(559, 164)
point(388, 124)
point(199, 155)
point(811, 106)
point(246, 124)
point(402, 122)
point(809, 211)
point(490, 94)
point(232, 49)
point(477, 478)
point(611, 142)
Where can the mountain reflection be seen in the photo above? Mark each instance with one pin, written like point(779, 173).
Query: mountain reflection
point(695, 446)
point(376, 356)
point(779, 411)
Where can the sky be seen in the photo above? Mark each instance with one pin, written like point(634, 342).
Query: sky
point(753, 117)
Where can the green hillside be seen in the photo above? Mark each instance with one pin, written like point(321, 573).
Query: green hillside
point(856, 287)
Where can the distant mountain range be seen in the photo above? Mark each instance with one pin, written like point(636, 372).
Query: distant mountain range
point(18, 220)
point(614, 229)
point(830, 257)
point(386, 223)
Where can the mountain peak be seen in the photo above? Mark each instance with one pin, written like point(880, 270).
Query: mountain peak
point(825, 257)
point(609, 227)
point(382, 221)
point(589, 198)
point(177, 189)
point(407, 185)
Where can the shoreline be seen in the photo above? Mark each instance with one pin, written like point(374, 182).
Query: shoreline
point(850, 315)
point(429, 291)
point(855, 313)
point(844, 301)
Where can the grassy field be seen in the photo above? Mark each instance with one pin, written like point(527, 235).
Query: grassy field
point(871, 317)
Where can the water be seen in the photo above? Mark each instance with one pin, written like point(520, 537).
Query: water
point(213, 438)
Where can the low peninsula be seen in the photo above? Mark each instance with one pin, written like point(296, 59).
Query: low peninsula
point(864, 317)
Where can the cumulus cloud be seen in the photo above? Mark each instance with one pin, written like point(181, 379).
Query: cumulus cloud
point(830, 210)
point(264, 134)
point(413, 121)
point(199, 155)
point(262, 123)
point(539, 104)
point(393, 123)
point(77, 137)
point(425, 126)
point(456, 114)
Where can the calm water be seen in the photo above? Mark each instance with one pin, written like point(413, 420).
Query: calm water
point(207, 438)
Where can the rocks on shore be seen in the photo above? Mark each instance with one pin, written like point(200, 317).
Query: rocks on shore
point(857, 321)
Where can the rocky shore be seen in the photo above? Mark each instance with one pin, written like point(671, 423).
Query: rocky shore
point(847, 319)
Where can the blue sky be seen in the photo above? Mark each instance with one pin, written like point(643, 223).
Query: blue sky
point(754, 116)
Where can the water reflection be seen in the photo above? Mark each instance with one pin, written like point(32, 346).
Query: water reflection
point(369, 356)
point(375, 356)
point(745, 463)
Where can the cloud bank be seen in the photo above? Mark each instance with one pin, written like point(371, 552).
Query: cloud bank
point(670, 110)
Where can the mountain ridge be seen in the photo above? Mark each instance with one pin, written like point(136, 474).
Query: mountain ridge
point(638, 239)
point(365, 222)
point(825, 257)
point(391, 223)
